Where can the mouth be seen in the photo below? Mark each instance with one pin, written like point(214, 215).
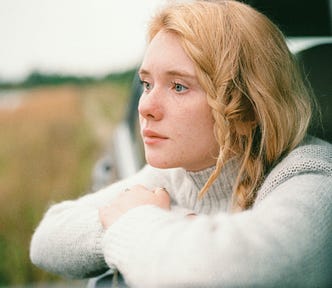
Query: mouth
point(152, 137)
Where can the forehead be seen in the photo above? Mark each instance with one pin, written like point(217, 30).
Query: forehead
point(165, 53)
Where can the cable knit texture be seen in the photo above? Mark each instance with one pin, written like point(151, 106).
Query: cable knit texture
point(309, 158)
point(285, 240)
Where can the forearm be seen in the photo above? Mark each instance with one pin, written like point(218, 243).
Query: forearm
point(67, 241)
point(282, 242)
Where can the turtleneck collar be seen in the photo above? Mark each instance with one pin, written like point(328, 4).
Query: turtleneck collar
point(218, 197)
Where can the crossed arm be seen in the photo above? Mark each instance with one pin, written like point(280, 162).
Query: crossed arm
point(285, 240)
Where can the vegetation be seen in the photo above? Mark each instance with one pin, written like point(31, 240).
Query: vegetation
point(48, 146)
point(37, 78)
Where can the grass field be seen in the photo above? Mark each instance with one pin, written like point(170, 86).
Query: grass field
point(48, 146)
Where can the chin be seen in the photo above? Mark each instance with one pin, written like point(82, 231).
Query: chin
point(159, 163)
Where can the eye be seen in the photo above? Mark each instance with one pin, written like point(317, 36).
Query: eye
point(179, 87)
point(146, 85)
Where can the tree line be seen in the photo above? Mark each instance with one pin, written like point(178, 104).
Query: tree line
point(37, 78)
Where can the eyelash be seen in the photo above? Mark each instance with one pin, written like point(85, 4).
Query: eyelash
point(145, 85)
point(178, 84)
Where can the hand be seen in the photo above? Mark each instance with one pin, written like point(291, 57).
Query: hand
point(131, 198)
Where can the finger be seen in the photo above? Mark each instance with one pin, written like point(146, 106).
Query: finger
point(160, 191)
point(102, 212)
point(138, 188)
point(163, 196)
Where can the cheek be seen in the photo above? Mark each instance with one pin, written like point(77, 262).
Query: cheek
point(196, 129)
point(204, 130)
point(204, 120)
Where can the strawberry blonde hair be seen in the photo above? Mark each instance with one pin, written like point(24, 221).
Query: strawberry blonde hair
point(259, 102)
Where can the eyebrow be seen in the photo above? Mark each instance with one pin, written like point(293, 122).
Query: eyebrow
point(179, 73)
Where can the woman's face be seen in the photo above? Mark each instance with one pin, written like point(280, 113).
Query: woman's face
point(175, 119)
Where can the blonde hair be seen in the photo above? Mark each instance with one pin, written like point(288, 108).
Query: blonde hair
point(259, 102)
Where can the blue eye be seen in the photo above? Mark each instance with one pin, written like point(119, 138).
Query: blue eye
point(179, 87)
point(146, 85)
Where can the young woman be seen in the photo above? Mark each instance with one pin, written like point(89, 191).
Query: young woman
point(235, 194)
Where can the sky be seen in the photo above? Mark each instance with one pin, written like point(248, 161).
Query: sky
point(80, 37)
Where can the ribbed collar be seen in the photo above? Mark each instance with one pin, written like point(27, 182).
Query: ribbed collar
point(218, 197)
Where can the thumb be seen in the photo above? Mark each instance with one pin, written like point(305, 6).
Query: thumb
point(163, 197)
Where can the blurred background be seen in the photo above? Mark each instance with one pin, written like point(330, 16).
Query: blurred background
point(66, 68)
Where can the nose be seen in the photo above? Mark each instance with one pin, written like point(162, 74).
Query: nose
point(150, 106)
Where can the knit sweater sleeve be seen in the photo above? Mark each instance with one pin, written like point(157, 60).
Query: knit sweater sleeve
point(284, 241)
point(68, 239)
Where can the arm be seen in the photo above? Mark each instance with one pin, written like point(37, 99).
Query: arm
point(68, 239)
point(284, 241)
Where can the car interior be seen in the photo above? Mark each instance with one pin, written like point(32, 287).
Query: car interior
point(308, 19)
point(318, 70)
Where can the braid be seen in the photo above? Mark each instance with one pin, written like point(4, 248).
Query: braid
point(258, 100)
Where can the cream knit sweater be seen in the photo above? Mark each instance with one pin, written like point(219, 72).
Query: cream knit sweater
point(285, 240)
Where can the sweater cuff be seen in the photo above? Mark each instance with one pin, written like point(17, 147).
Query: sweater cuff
point(124, 238)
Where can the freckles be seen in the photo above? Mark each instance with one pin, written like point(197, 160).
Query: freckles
point(179, 135)
point(165, 164)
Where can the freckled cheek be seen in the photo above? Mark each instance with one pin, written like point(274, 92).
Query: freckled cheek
point(186, 135)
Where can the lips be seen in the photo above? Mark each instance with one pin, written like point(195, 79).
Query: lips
point(152, 137)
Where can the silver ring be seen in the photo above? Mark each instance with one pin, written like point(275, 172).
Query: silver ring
point(161, 188)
